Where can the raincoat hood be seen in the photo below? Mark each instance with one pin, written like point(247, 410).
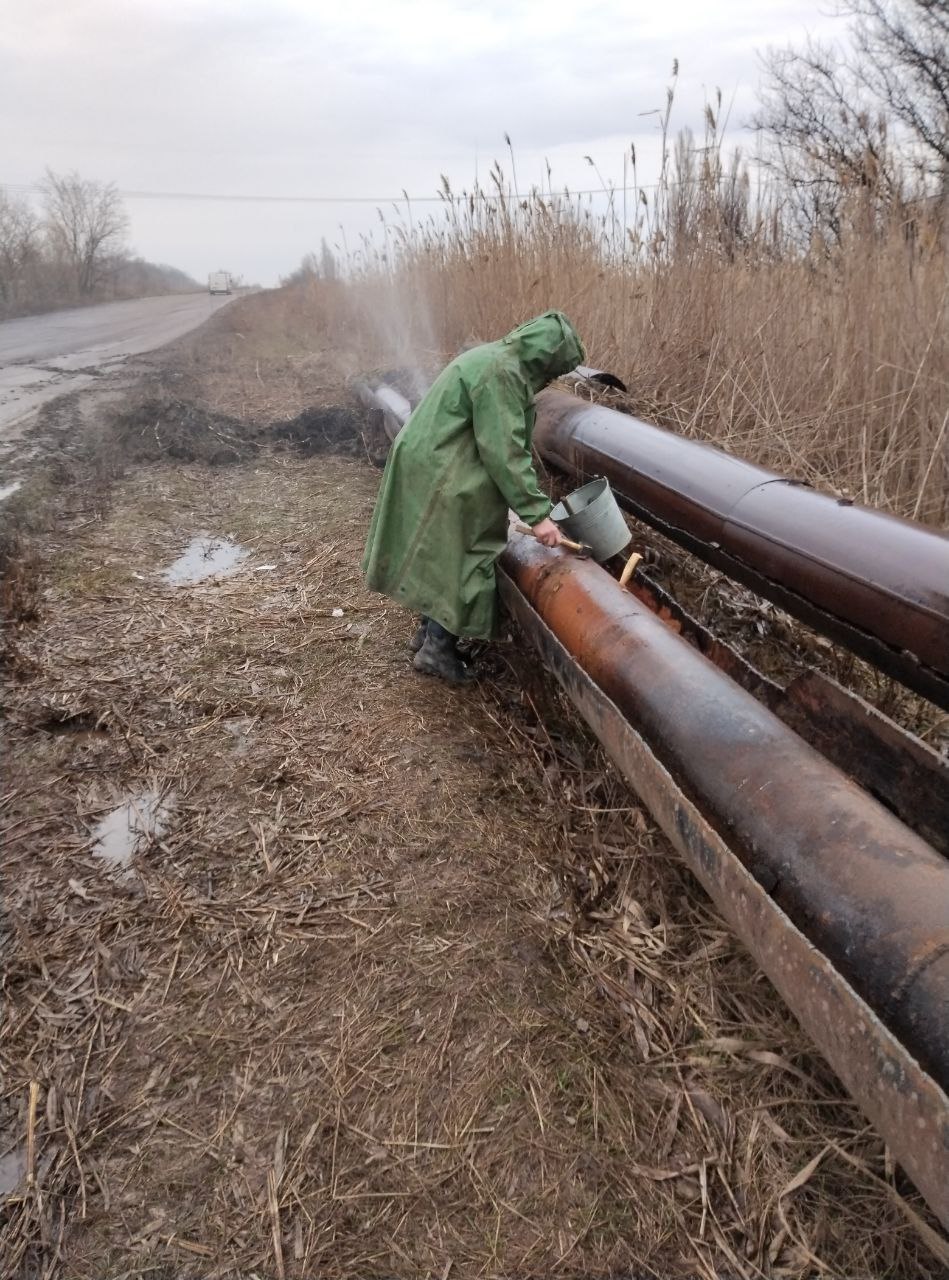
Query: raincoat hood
point(547, 347)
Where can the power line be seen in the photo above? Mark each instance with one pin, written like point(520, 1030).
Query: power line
point(25, 188)
point(22, 188)
point(245, 199)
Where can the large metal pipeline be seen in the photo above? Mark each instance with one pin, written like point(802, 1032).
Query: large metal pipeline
point(844, 908)
point(875, 583)
point(392, 404)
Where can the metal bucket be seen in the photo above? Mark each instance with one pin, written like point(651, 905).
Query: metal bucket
point(590, 515)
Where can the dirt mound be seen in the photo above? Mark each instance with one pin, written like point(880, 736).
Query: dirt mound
point(158, 428)
point(337, 429)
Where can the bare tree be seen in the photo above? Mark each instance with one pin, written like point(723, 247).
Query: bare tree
point(903, 59)
point(313, 267)
point(309, 269)
point(328, 268)
point(86, 223)
point(865, 120)
point(18, 246)
point(827, 138)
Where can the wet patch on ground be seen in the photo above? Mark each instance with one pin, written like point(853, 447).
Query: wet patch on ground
point(12, 1170)
point(128, 828)
point(205, 557)
point(26, 388)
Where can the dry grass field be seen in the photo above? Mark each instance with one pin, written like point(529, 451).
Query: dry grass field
point(397, 982)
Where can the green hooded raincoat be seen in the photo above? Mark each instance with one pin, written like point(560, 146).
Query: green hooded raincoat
point(459, 463)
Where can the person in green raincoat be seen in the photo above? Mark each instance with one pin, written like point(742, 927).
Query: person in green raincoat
point(458, 465)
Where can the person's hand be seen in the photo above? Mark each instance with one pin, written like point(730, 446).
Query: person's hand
point(547, 533)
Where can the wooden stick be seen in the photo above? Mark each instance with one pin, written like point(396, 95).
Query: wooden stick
point(564, 542)
point(31, 1134)
point(629, 568)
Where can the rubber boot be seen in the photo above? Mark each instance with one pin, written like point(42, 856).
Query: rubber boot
point(439, 657)
point(419, 638)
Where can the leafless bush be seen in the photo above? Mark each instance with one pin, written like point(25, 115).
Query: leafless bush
point(75, 252)
point(85, 224)
point(869, 117)
point(19, 248)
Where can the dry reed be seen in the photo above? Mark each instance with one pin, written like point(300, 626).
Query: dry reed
point(831, 364)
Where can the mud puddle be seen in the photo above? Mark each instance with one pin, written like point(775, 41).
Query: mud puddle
point(205, 557)
point(12, 1171)
point(24, 389)
point(123, 831)
point(241, 730)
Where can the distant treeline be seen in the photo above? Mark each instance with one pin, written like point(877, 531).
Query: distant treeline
point(72, 249)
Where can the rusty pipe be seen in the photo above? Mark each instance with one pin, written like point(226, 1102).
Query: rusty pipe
point(873, 582)
point(843, 906)
point(870, 894)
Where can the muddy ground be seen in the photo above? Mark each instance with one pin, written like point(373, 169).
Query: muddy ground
point(46, 356)
point(314, 967)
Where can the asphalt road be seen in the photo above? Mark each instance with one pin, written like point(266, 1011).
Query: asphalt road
point(42, 357)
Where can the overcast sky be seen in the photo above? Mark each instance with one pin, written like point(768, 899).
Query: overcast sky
point(347, 98)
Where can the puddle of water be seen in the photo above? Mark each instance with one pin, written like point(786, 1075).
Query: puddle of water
point(12, 1171)
point(120, 833)
point(7, 490)
point(240, 729)
point(205, 557)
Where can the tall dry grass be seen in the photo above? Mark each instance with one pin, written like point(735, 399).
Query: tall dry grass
point(828, 363)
